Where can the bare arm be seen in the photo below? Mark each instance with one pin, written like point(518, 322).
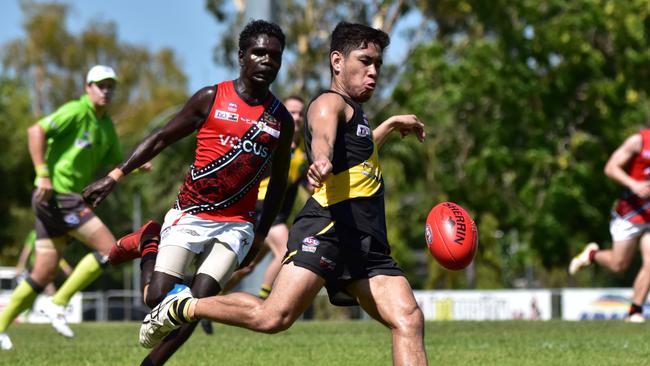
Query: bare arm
point(323, 116)
point(276, 189)
point(36, 144)
point(405, 124)
point(615, 167)
point(188, 120)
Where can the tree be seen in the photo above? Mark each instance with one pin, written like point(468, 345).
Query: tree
point(524, 103)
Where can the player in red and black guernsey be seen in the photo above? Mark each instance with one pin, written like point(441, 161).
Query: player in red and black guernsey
point(629, 166)
point(242, 129)
point(276, 241)
point(339, 238)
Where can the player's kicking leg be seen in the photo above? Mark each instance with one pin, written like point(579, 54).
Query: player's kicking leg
point(295, 289)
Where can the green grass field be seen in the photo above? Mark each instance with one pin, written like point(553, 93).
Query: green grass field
point(345, 343)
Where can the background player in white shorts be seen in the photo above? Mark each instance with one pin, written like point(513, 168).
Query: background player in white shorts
point(629, 166)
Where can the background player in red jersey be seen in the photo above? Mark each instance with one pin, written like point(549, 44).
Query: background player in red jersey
point(629, 166)
point(242, 129)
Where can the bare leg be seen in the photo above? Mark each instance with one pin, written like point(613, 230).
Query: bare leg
point(390, 300)
point(46, 262)
point(95, 235)
point(618, 258)
point(295, 289)
point(642, 280)
point(277, 242)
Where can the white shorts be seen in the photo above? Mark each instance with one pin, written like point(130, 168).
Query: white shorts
point(622, 229)
point(220, 245)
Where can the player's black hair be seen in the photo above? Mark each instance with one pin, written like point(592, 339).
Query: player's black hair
point(256, 27)
point(351, 36)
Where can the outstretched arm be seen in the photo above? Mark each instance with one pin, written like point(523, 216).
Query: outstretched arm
point(188, 120)
point(405, 124)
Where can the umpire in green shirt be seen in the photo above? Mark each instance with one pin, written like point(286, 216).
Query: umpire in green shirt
point(67, 147)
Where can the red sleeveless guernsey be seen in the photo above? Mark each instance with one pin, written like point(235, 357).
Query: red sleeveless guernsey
point(630, 206)
point(233, 148)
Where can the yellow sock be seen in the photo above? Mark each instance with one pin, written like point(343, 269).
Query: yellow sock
point(21, 299)
point(86, 271)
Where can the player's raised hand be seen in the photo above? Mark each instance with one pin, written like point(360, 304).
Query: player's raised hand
point(98, 190)
point(409, 123)
point(318, 172)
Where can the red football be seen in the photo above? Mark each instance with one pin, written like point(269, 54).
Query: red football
point(451, 235)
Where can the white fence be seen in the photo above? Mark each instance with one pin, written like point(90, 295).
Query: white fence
point(573, 304)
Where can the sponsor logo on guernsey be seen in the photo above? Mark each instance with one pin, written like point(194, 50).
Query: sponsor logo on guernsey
point(71, 219)
point(365, 119)
point(246, 145)
point(271, 131)
point(309, 244)
point(232, 107)
point(83, 142)
point(363, 131)
point(645, 154)
point(227, 116)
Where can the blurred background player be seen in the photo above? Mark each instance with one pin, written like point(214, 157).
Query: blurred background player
point(242, 128)
point(276, 240)
point(629, 166)
point(67, 148)
point(338, 239)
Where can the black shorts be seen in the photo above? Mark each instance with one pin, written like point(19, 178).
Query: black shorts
point(62, 213)
point(338, 253)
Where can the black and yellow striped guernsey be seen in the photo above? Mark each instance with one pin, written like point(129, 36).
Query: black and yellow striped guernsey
point(353, 194)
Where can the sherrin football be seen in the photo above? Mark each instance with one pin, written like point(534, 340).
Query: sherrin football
point(451, 235)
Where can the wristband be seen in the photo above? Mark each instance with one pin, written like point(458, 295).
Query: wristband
point(42, 171)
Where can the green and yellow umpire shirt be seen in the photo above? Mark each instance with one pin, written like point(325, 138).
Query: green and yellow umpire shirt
point(77, 144)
